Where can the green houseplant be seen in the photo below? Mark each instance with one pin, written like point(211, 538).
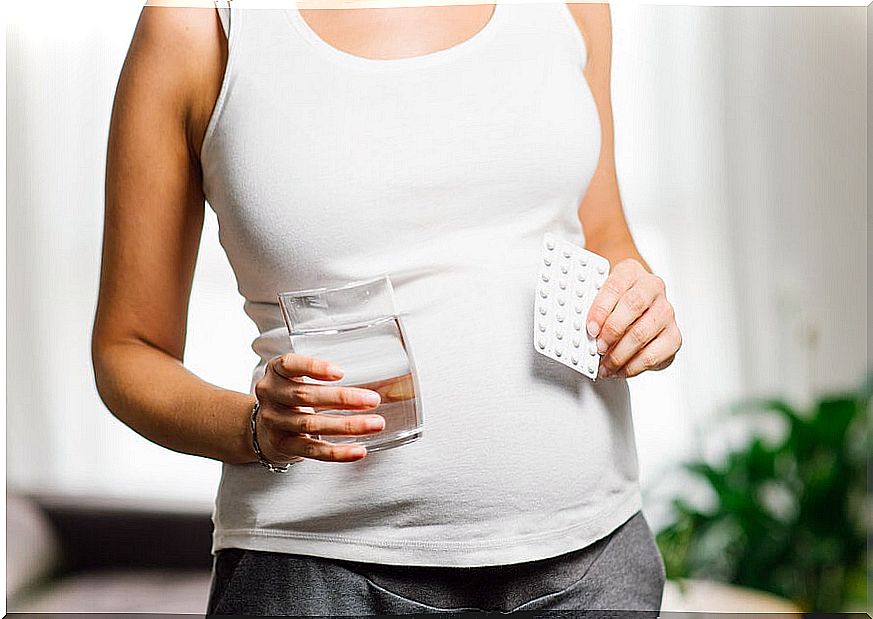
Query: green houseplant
point(790, 514)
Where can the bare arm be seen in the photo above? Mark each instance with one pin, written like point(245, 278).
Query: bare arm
point(600, 212)
point(631, 316)
point(153, 222)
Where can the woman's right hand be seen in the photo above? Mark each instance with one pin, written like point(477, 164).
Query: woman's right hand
point(290, 410)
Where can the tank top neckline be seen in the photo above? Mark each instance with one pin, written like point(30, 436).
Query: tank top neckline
point(469, 45)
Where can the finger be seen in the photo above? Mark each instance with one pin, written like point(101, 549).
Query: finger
point(616, 284)
point(292, 365)
point(324, 397)
point(632, 304)
point(292, 445)
point(656, 355)
point(393, 389)
point(321, 424)
point(637, 335)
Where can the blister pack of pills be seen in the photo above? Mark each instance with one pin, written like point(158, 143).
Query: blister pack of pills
point(569, 279)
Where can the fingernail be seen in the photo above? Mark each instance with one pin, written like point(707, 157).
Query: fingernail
point(375, 423)
point(372, 398)
point(334, 370)
point(601, 346)
point(593, 328)
point(358, 451)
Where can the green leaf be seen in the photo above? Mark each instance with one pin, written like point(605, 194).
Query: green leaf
point(789, 518)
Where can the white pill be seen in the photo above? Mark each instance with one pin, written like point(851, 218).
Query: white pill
point(567, 268)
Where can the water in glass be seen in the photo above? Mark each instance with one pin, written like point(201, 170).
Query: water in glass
point(373, 355)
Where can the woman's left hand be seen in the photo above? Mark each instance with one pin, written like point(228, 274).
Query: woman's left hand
point(633, 322)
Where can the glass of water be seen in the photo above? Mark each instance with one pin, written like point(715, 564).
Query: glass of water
point(357, 327)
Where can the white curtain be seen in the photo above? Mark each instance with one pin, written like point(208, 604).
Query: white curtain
point(741, 154)
point(740, 167)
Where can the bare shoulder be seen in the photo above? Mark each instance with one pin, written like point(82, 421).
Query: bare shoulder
point(175, 63)
point(595, 23)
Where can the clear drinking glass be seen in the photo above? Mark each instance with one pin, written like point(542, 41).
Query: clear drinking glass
point(356, 326)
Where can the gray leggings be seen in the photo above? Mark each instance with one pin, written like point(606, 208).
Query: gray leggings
point(622, 571)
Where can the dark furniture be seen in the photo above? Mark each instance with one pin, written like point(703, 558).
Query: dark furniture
point(77, 554)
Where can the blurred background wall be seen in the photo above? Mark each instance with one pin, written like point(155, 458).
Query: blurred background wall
point(741, 152)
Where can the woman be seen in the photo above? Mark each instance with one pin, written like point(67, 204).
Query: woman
point(436, 144)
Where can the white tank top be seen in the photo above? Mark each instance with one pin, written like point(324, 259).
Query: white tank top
point(443, 171)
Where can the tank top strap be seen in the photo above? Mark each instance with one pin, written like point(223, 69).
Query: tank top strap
point(555, 18)
point(224, 14)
